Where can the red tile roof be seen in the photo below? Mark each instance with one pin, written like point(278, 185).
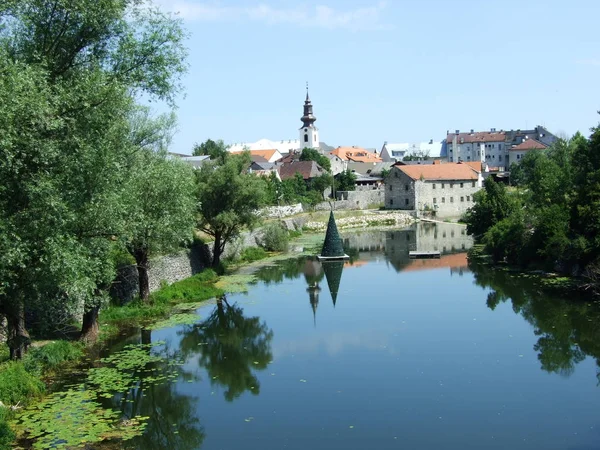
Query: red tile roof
point(479, 136)
point(308, 170)
point(266, 154)
point(357, 154)
point(449, 171)
point(452, 261)
point(530, 144)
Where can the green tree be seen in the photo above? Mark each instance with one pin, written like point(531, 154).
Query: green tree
point(229, 198)
point(322, 184)
point(293, 190)
point(345, 181)
point(492, 204)
point(216, 150)
point(71, 70)
point(312, 154)
point(160, 210)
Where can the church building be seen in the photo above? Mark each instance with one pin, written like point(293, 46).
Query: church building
point(308, 136)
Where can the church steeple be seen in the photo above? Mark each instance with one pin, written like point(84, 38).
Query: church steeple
point(309, 134)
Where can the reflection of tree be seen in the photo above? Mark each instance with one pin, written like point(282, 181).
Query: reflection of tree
point(568, 329)
point(333, 275)
point(172, 422)
point(230, 346)
point(287, 269)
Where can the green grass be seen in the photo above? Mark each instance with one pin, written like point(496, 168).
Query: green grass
point(17, 385)
point(48, 357)
point(194, 289)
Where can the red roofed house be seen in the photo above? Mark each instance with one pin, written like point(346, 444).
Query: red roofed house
point(444, 189)
point(270, 155)
point(356, 154)
point(518, 151)
point(308, 170)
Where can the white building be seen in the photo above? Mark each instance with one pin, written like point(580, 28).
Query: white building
point(391, 152)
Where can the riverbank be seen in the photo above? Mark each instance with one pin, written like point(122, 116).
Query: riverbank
point(551, 282)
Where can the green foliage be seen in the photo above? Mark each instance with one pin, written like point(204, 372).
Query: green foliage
point(229, 198)
point(293, 234)
point(251, 254)
point(345, 181)
point(175, 320)
point(17, 385)
point(312, 154)
point(216, 150)
point(275, 238)
point(506, 239)
point(492, 204)
point(7, 436)
point(49, 356)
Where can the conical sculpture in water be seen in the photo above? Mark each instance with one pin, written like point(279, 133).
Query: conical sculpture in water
point(333, 275)
point(332, 247)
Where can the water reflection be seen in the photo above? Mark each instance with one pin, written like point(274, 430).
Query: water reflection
point(172, 417)
point(567, 329)
point(229, 346)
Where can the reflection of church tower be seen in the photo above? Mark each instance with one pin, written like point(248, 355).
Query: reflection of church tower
point(333, 275)
point(309, 134)
point(313, 273)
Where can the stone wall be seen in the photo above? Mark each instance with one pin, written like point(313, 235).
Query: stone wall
point(276, 212)
point(350, 200)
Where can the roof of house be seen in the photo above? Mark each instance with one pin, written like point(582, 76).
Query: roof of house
point(308, 170)
point(357, 154)
point(449, 171)
point(478, 136)
point(529, 144)
point(369, 168)
point(475, 165)
point(264, 154)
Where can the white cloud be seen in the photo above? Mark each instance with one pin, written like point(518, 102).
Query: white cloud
point(320, 16)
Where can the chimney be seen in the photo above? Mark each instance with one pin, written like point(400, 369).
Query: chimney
point(472, 131)
point(457, 131)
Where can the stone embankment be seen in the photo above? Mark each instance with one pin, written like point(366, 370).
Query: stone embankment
point(391, 219)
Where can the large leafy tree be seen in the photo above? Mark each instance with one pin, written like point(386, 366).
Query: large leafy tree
point(161, 211)
point(312, 154)
point(71, 69)
point(229, 198)
point(217, 150)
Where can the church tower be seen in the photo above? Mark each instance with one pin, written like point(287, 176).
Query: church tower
point(309, 134)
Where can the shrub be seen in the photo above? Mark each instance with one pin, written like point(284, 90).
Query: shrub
point(251, 254)
point(293, 234)
point(17, 385)
point(275, 238)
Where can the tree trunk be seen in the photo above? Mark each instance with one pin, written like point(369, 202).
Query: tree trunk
point(217, 250)
point(90, 327)
point(18, 337)
point(141, 259)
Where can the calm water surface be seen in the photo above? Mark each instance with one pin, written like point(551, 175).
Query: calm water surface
point(384, 353)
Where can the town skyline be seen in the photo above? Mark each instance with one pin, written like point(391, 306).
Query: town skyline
point(386, 71)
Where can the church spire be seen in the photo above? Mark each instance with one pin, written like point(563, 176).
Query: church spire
point(308, 119)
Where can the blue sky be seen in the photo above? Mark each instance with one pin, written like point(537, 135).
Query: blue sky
point(396, 70)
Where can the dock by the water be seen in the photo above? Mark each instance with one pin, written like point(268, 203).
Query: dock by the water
point(424, 255)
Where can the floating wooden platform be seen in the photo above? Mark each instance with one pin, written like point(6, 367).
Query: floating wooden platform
point(332, 258)
point(424, 255)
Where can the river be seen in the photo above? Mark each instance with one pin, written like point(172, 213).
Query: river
point(380, 352)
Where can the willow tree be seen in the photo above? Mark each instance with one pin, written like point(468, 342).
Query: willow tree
point(71, 71)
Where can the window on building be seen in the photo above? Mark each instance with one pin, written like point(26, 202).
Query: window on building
point(434, 200)
point(406, 187)
point(462, 199)
point(452, 233)
point(468, 158)
point(451, 185)
point(473, 184)
point(518, 156)
point(315, 137)
point(468, 198)
point(396, 174)
point(390, 188)
point(443, 185)
point(306, 138)
point(443, 199)
point(391, 201)
point(433, 186)
point(499, 157)
point(444, 235)
point(462, 185)
point(406, 201)
point(451, 199)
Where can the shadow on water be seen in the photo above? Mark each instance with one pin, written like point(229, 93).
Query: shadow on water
point(568, 330)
